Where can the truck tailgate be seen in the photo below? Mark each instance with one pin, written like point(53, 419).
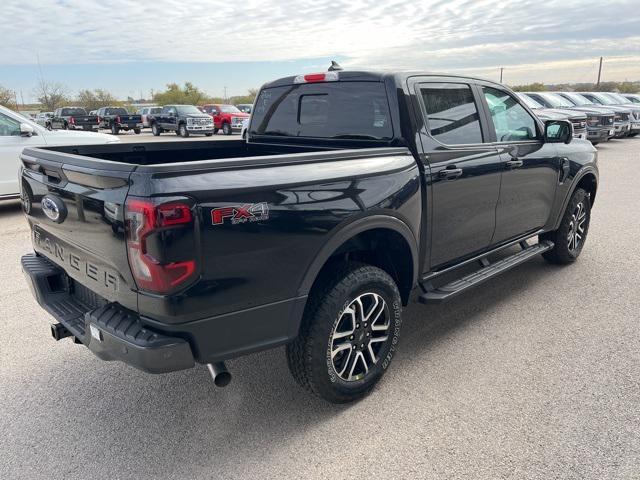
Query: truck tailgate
point(74, 206)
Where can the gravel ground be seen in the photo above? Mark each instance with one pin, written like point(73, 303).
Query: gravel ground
point(536, 375)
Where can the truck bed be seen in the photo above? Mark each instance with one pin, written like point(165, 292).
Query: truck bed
point(167, 156)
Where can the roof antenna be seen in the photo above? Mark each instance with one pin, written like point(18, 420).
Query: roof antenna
point(335, 66)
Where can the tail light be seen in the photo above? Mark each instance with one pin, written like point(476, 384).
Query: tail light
point(99, 119)
point(72, 120)
point(118, 119)
point(145, 220)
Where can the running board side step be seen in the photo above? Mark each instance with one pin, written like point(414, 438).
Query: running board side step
point(488, 270)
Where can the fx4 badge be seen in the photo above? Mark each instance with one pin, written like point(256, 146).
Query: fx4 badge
point(249, 212)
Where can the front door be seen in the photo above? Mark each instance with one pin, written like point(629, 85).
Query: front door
point(531, 168)
point(463, 172)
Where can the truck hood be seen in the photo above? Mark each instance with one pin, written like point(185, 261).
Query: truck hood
point(196, 115)
point(550, 114)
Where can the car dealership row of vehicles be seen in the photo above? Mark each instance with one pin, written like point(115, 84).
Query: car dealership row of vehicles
point(606, 115)
point(184, 120)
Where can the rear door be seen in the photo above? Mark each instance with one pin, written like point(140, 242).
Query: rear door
point(87, 239)
point(462, 171)
point(531, 168)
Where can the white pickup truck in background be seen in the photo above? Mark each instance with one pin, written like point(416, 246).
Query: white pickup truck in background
point(18, 132)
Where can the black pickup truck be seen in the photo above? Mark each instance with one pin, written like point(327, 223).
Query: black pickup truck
point(184, 120)
point(354, 193)
point(73, 118)
point(117, 119)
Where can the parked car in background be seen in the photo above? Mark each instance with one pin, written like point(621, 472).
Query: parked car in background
point(244, 107)
point(577, 119)
point(184, 120)
point(145, 112)
point(624, 113)
point(225, 117)
point(117, 119)
point(632, 97)
point(17, 132)
point(601, 122)
point(73, 118)
point(44, 119)
point(354, 190)
point(626, 103)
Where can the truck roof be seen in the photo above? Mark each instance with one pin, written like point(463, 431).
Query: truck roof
point(376, 76)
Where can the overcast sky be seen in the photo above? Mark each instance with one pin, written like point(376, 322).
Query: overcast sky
point(131, 47)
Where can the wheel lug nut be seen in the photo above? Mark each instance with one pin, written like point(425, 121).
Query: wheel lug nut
point(354, 347)
point(368, 334)
point(351, 337)
point(357, 325)
point(362, 345)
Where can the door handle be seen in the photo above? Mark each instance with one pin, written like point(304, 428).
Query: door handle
point(514, 163)
point(450, 173)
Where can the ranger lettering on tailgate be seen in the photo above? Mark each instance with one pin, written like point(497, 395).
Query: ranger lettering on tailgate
point(62, 254)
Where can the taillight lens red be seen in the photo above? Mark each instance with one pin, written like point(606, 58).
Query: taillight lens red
point(72, 120)
point(143, 218)
point(118, 120)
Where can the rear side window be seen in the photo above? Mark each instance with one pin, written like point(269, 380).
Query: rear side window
point(452, 113)
point(357, 110)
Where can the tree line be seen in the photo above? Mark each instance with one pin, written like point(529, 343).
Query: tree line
point(52, 95)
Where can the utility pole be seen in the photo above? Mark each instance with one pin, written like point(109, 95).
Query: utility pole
point(225, 94)
point(501, 70)
point(599, 72)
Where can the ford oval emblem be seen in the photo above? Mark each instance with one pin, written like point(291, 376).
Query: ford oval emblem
point(54, 208)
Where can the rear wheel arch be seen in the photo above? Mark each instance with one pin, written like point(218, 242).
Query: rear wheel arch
point(383, 241)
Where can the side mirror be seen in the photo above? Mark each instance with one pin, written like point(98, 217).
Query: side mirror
point(558, 131)
point(26, 130)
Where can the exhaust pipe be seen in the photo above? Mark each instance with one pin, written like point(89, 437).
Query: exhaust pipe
point(59, 331)
point(219, 373)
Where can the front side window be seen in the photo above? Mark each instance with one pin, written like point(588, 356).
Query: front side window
point(8, 126)
point(452, 113)
point(511, 121)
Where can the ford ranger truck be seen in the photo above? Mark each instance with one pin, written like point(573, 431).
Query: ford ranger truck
point(355, 193)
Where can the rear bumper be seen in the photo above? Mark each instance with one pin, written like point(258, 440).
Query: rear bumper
point(109, 330)
point(84, 127)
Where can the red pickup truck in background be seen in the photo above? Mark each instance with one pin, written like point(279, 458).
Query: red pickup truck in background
point(225, 117)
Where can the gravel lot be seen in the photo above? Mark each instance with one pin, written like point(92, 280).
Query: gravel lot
point(536, 375)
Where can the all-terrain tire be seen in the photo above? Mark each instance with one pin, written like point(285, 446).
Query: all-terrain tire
point(575, 221)
point(330, 304)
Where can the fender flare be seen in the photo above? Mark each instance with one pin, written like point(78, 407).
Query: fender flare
point(349, 231)
point(574, 184)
